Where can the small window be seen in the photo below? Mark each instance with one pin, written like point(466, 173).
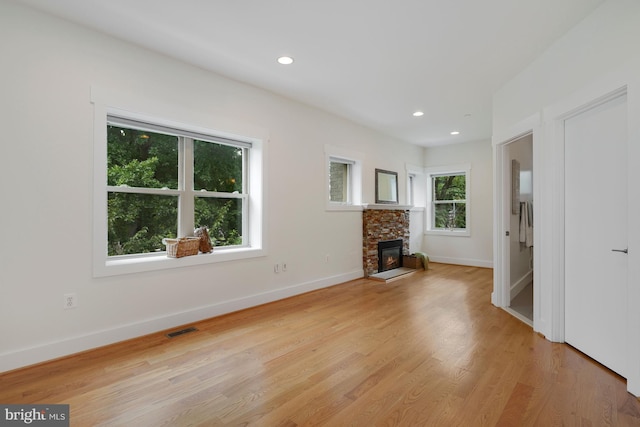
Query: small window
point(340, 180)
point(416, 187)
point(448, 212)
point(343, 179)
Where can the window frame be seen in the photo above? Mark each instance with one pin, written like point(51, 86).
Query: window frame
point(416, 197)
point(354, 179)
point(431, 173)
point(253, 219)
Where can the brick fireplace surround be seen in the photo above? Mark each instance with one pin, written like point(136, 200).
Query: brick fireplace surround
point(378, 224)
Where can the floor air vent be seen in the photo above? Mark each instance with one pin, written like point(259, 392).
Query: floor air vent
point(181, 332)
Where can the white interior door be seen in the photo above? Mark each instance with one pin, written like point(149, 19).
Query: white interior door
point(595, 229)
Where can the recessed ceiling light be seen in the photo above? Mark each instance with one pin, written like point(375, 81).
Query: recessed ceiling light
point(455, 132)
point(418, 114)
point(285, 60)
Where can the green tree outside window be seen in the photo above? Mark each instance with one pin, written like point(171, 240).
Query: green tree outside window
point(449, 201)
point(138, 160)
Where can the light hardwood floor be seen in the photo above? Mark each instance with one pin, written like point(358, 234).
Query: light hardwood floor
point(428, 350)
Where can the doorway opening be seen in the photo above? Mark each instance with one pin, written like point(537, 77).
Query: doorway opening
point(514, 285)
point(521, 223)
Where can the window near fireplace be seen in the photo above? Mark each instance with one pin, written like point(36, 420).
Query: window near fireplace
point(340, 180)
point(343, 179)
point(389, 255)
point(449, 210)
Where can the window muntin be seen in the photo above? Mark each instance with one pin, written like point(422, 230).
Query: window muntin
point(163, 183)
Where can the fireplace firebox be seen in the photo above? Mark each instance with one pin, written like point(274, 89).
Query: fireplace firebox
point(389, 254)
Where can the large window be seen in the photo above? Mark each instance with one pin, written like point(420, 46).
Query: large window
point(156, 179)
point(163, 183)
point(449, 202)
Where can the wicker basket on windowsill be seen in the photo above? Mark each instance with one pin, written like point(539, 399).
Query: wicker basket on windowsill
point(181, 247)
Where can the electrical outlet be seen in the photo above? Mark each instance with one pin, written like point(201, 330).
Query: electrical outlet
point(70, 301)
point(284, 266)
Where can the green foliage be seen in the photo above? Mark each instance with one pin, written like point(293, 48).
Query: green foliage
point(137, 223)
point(131, 154)
point(450, 215)
point(134, 174)
point(217, 167)
point(222, 217)
point(450, 187)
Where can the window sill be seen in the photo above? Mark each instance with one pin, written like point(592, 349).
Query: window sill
point(337, 207)
point(386, 206)
point(125, 265)
point(452, 233)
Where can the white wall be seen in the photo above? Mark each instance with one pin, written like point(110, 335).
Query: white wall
point(49, 67)
point(476, 249)
point(597, 56)
point(598, 46)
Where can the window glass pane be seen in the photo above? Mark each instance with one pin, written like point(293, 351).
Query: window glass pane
point(449, 187)
point(217, 167)
point(141, 159)
point(450, 215)
point(137, 223)
point(460, 216)
point(410, 190)
point(222, 216)
point(338, 182)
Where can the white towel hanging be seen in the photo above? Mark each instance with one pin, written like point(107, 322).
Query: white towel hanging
point(526, 224)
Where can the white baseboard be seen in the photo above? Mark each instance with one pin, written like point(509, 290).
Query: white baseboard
point(462, 261)
point(520, 284)
point(48, 351)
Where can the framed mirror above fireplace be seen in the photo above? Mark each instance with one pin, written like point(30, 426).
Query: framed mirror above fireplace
point(386, 187)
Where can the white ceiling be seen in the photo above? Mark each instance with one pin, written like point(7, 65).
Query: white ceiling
point(374, 62)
